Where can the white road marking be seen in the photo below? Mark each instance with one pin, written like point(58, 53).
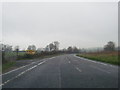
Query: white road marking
point(51, 57)
point(22, 73)
point(1, 85)
point(68, 61)
point(41, 63)
point(93, 61)
point(59, 77)
point(32, 62)
point(78, 69)
point(17, 69)
point(100, 69)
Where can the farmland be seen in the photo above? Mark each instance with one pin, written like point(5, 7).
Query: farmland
point(107, 57)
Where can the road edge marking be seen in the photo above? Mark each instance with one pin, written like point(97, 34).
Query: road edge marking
point(100, 69)
point(95, 61)
point(22, 73)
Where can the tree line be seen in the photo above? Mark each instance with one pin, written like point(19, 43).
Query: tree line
point(52, 48)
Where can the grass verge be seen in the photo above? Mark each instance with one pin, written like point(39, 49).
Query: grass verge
point(29, 57)
point(112, 58)
point(7, 65)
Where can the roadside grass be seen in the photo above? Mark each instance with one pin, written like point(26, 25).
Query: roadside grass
point(8, 65)
point(37, 55)
point(107, 57)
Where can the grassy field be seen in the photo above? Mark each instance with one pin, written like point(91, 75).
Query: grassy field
point(108, 57)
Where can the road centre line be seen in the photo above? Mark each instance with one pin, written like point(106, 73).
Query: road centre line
point(78, 69)
point(68, 61)
point(22, 73)
point(59, 77)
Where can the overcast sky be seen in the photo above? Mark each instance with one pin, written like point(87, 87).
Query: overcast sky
point(84, 25)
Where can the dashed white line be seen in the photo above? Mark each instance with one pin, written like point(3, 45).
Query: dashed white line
point(78, 69)
point(21, 73)
point(68, 61)
point(52, 58)
point(59, 78)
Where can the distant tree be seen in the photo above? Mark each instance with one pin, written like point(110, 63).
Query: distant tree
point(47, 48)
point(110, 46)
point(75, 49)
point(70, 49)
point(39, 50)
point(31, 47)
point(6, 48)
point(56, 45)
point(51, 47)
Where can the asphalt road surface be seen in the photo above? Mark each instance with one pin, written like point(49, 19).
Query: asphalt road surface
point(65, 71)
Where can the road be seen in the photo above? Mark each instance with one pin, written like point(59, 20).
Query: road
point(65, 71)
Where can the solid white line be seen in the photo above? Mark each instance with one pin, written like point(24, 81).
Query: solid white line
point(100, 69)
point(21, 73)
point(41, 63)
point(78, 69)
point(17, 69)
